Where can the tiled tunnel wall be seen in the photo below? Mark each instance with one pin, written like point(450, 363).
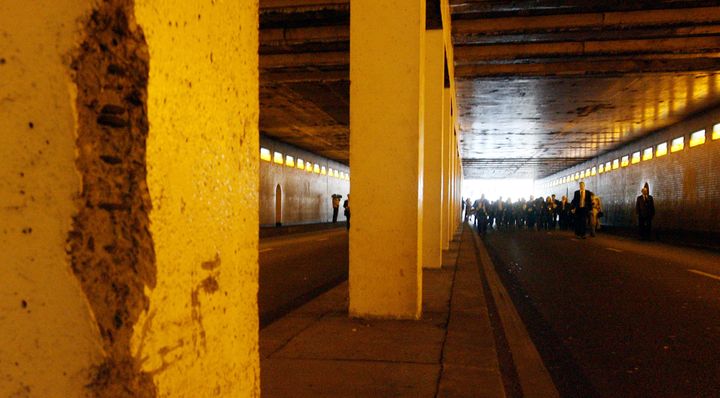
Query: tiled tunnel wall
point(305, 195)
point(685, 184)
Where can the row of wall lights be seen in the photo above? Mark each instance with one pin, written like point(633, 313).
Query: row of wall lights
point(661, 149)
point(289, 161)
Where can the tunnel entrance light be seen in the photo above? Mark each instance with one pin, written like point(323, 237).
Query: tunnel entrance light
point(278, 158)
point(716, 132)
point(265, 154)
point(289, 161)
point(697, 138)
point(661, 150)
point(300, 164)
point(678, 144)
point(635, 158)
point(616, 164)
point(647, 154)
point(625, 161)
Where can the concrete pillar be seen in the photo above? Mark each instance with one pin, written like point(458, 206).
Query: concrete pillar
point(447, 125)
point(386, 150)
point(432, 185)
point(142, 127)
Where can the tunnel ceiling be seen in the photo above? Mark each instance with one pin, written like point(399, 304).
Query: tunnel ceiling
point(541, 85)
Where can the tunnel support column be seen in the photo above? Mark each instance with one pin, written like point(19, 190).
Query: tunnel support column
point(446, 151)
point(386, 157)
point(432, 186)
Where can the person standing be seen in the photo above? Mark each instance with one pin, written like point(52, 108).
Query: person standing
point(645, 209)
point(595, 215)
point(346, 205)
point(336, 206)
point(581, 205)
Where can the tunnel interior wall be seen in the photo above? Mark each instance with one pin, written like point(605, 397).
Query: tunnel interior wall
point(685, 184)
point(306, 196)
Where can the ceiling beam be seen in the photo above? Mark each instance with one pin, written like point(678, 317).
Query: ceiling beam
point(590, 67)
point(684, 45)
point(273, 77)
point(268, 4)
point(290, 36)
point(691, 16)
point(275, 61)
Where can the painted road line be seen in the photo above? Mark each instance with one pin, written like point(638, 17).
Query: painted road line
point(614, 250)
point(694, 271)
point(266, 250)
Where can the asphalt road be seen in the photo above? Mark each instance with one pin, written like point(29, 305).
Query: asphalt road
point(616, 317)
point(296, 268)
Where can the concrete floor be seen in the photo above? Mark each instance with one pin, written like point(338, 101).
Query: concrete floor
point(615, 317)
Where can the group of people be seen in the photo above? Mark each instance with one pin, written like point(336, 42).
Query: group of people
point(582, 213)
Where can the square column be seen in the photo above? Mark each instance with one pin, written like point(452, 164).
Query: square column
point(386, 157)
point(446, 173)
point(432, 186)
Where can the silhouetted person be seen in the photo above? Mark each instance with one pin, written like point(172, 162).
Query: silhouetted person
point(581, 205)
point(645, 209)
point(595, 215)
point(336, 205)
point(346, 205)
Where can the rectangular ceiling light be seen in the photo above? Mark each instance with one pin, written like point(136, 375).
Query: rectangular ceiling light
point(289, 161)
point(616, 164)
point(716, 132)
point(309, 166)
point(607, 167)
point(265, 154)
point(678, 144)
point(336, 173)
point(635, 158)
point(278, 158)
point(647, 154)
point(300, 164)
point(323, 171)
point(697, 138)
point(661, 149)
point(601, 168)
point(316, 169)
point(625, 161)
point(593, 171)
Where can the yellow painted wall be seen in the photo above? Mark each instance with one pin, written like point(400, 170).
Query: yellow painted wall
point(199, 336)
point(48, 337)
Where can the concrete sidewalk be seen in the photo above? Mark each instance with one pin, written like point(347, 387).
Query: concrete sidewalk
point(318, 351)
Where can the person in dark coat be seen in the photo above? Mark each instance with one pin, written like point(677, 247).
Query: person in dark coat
point(581, 206)
point(346, 206)
point(645, 209)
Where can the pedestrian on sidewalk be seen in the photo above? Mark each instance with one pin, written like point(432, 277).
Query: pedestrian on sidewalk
point(595, 215)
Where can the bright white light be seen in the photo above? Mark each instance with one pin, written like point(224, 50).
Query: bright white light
point(495, 188)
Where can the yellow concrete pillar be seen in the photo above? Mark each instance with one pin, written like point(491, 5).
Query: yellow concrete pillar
point(446, 137)
point(432, 185)
point(129, 177)
point(49, 341)
point(199, 334)
point(386, 150)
